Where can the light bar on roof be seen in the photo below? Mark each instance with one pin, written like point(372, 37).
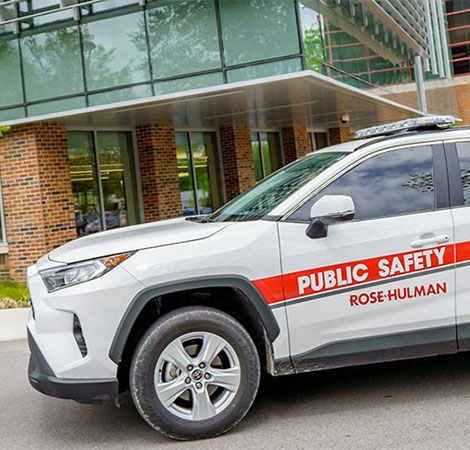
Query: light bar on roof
point(405, 125)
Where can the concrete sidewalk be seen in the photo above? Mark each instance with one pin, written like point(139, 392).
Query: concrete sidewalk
point(13, 323)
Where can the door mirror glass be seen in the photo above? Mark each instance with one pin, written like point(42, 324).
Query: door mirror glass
point(329, 209)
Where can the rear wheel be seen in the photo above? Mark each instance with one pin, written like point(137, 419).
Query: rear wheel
point(195, 373)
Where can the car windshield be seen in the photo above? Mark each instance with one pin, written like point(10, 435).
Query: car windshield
point(273, 190)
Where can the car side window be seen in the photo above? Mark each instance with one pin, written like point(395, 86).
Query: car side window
point(463, 151)
point(394, 182)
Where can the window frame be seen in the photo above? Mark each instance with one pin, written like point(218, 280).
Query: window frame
point(220, 181)
point(139, 202)
point(3, 238)
point(456, 192)
point(439, 172)
point(312, 138)
point(258, 132)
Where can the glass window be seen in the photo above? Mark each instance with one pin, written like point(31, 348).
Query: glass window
point(205, 160)
point(10, 72)
point(184, 84)
point(52, 63)
point(84, 175)
point(39, 6)
point(269, 193)
point(103, 180)
point(258, 29)
point(317, 140)
point(463, 151)
point(7, 12)
point(185, 174)
point(314, 38)
point(264, 70)
point(183, 38)
point(56, 106)
point(321, 140)
point(196, 154)
point(395, 182)
point(117, 177)
point(115, 58)
point(120, 95)
point(111, 4)
point(12, 113)
point(266, 153)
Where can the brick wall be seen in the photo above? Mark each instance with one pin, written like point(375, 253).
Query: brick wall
point(339, 135)
point(294, 143)
point(159, 172)
point(37, 193)
point(4, 267)
point(237, 160)
point(463, 100)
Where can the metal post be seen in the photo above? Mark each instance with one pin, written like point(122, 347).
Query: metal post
point(437, 38)
point(420, 85)
point(444, 41)
point(432, 49)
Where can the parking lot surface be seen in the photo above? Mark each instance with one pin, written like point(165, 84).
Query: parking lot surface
point(420, 404)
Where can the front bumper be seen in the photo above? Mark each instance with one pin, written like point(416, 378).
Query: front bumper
point(43, 379)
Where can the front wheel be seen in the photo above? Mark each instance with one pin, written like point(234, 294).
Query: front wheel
point(195, 373)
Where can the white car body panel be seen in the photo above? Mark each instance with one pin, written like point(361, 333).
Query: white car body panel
point(332, 318)
point(246, 249)
point(136, 237)
point(100, 307)
point(273, 255)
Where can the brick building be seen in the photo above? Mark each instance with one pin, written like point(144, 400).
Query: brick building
point(190, 104)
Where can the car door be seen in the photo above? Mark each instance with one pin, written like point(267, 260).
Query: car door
point(458, 162)
point(381, 286)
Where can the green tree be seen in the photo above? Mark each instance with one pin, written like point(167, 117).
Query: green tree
point(3, 130)
point(313, 47)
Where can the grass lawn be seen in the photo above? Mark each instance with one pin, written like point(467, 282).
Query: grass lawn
point(13, 295)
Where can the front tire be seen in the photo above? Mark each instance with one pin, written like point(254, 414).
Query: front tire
point(194, 374)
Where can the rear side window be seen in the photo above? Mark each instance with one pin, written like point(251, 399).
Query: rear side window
point(463, 150)
point(395, 182)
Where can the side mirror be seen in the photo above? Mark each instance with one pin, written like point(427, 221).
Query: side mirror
point(328, 210)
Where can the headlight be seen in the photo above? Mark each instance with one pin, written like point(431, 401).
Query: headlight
point(64, 276)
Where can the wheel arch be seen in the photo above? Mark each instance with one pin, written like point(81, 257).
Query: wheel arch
point(255, 301)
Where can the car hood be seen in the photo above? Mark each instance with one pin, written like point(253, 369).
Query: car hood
point(127, 239)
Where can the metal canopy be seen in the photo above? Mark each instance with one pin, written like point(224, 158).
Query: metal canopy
point(303, 98)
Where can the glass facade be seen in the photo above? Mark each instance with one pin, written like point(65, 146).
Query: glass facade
point(103, 180)
point(51, 62)
point(198, 172)
point(333, 52)
point(267, 156)
point(122, 50)
point(458, 19)
point(113, 62)
point(183, 38)
point(10, 72)
point(254, 30)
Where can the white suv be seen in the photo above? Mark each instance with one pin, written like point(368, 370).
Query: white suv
point(355, 254)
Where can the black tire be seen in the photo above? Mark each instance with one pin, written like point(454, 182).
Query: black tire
point(162, 333)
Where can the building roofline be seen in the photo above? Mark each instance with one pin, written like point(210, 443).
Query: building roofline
point(206, 93)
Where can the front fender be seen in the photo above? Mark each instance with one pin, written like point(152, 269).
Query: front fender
point(240, 283)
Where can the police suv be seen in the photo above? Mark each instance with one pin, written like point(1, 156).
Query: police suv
point(355, 254)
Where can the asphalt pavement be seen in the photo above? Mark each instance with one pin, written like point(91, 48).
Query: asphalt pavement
point(421, 404)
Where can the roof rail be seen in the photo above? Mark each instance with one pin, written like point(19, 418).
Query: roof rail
point(416, 123)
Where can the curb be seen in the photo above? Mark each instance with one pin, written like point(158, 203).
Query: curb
point(13, 323)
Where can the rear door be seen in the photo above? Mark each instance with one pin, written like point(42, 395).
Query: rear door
point(381, 286)
point(458, 162)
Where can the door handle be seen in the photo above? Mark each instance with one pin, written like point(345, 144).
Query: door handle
point(439, 239)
